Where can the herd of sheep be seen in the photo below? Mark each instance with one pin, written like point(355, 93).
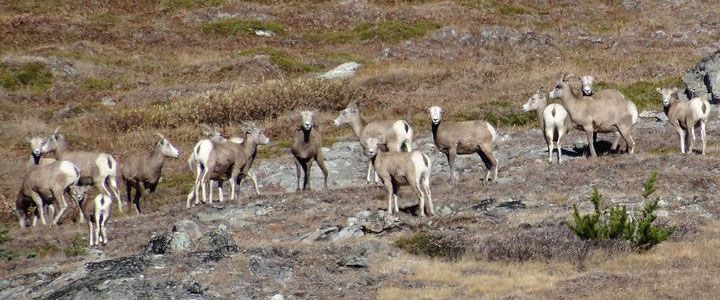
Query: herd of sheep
point(216, 159)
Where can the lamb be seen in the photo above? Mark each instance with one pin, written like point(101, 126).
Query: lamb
point(143, 171)
point(553, 119)
point(307, 148)
point(97, 211)
point(397, 133)
point(229, 161)
point(46, 186)
point(401, 168)
point(604, 113)
point(685, 116)
point(468, 137)
point(96, 168)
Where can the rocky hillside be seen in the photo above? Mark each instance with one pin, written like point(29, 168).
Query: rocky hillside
point(112, 73)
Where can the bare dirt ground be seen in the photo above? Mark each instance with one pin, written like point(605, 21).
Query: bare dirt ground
point(170, 64)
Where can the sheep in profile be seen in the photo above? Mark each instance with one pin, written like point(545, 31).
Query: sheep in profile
point(554, 121)
point(97, 211)
point(685, 116)
point(468, 137)
point(142, 171)
point(307, 148)
point(96, 168)
point(46, 186)
point(397, 133)
point(603, 113)
point(401, 168)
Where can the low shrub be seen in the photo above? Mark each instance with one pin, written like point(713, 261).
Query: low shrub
point(77, 247)
point(32, 76)
point(433, 244)
point(280, 59)
point(4, 238)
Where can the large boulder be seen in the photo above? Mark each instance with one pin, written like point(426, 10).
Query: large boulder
point(704, 78)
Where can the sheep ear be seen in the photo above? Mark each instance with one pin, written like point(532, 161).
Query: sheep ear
point(56, 130)
point(675, 90)
point(658, 90)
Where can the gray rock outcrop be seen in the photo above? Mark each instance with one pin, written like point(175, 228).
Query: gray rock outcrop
point(704, 78)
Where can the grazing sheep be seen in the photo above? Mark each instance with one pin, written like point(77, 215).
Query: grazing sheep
point(554, 121)
point(142, 171)
point(401, 168)
point(685, 116)
point(307, 148)
point(97, 211)
point(46, 186)
point(96, 168)
point(398, 133)
point(604, 113)
point(468, 137)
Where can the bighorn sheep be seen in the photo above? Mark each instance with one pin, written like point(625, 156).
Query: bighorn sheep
point(142, 171)
point(554, 121)
point(96, 168)
point(401, 168)
point(587, 85)
point(685, 116)
point(307, 148)
point(46, 186)
point(97, 211)
point(36, 159)
point(604, 113)
point(468, 137)
point(228, 161)
point(397, 133)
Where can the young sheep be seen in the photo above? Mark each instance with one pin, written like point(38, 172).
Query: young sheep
point(685, 116)
point(468, 137)
point(229, 161)
point(554, 121)
point(398, 133)
point(401, 168)
point(307, 148)
point(142, 171)
point(46, 186)
point(97, 211)
point(604, 113)
point(96, 168)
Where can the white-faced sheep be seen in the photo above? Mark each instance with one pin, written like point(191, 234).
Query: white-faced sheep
point(97, 211)
point(142, 171)
point(401, 168)
point(467, 137)
point(397, 133)
point(604, 113)
point(96, 168)
point(307, 148)
point(685, 116)
point(587, 85)
point(46, 186)
point(554, 121)
point(36, 158)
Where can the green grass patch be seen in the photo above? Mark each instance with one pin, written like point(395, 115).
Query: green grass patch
point(643, 93)
point(281, 59)
point(96, 84)
point(5, 254)
point(276, 149)
point(32, 76)
point(76, 248)
point(513, 119)
point(431, 244)
point(235, 26)
point(104, 19)
point(499, 6)
point(173, 5)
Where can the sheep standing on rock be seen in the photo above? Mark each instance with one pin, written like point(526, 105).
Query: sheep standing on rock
point(46, 186)
point(685, 116)
point(554, 121)
point(141, 172)
point(397, 133)
point(401, 168)
point(604, 113)
point(468, 137)
point(307, 148)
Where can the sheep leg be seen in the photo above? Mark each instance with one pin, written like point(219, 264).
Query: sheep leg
point(419, 192)
point(97, 225)
point(626, 134)
point(220, 184)
point(114, 189)
point(559, 148)
point(253, 177)
point(591, 145)
point(681, 135)
point(139, 193)
point(691, 129)
point(298, 166)
point(550, 138)
point(50, 211)
point(389, 188)
point(702, 136)
point(128, 189)
point(426, 187)
point(616, 143)
point(103, 220)
point(91, 233)
point(35, 218)
point(306, 184)
point(60, 198)
point(21, 217)
point(451, 155)
point(370, 167)
point(321, 163)
point(39, 204)
point(491, 163)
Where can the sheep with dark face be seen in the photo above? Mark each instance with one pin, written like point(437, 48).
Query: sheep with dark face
point(307, 148)
point(142, 171)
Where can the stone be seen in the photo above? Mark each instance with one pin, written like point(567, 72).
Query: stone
point(513, 204)
point(107, 101)
point(704, 78)
point(350, 232)
point(345, 70)
point(483, 205)
point(322, 234)
point(658, 116)
point(277, 297)
point(264, 33)
point(169, 243)
point(189, 227)
point(356, 262)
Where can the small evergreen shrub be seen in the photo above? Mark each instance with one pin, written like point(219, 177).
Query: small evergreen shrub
point(4, 238)
point(432, 244)
point(613, 222)
point(77, 248)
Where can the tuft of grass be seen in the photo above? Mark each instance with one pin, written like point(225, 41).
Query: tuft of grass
point(234, 26)
point(96, 84)
point(4, 238)
point(515, 119)
point(32, 76)
point(643, 93)
point(43, 250)
point(276, 149)
point(394, 31)
point(173, 5)
point(431, 244)
point(281, 59)
point(77, 248)
point(499, 6)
